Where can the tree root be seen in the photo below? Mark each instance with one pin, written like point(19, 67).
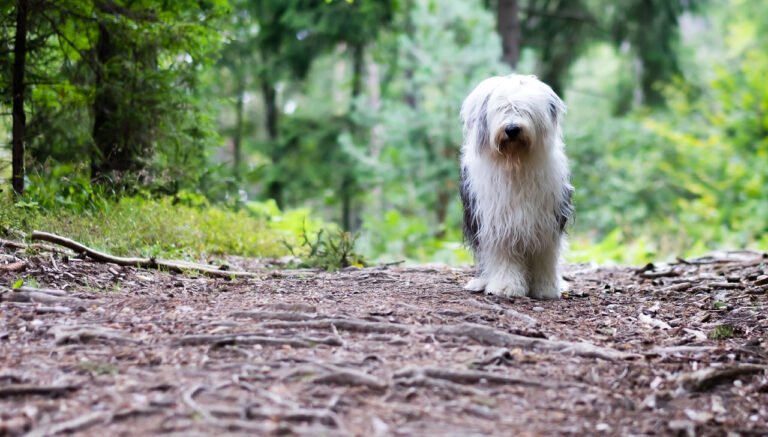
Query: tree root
point(339, 376)
point(707, 378)
point(494, 337)
point(531, 321)
point(85, 334)
point(353, 325)
point(39, 295)
point(73, 425)
point(274, 315)
point(250, 339)
point(143, 263)
point(479, 377)
point(42, 390)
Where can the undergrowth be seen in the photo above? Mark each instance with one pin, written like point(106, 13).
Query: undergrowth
point(184, 226)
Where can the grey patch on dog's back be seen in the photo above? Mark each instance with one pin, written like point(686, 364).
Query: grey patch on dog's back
point(564, 211)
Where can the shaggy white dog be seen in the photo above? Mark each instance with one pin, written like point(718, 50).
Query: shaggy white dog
point(515, 186)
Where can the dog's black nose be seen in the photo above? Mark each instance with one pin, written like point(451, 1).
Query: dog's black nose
point(512, 131)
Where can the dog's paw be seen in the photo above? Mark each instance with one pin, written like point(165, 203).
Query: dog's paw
point(547, 290)
point(506, 288)
point(476, 285)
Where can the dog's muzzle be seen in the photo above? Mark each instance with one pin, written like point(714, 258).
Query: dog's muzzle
point(513, 131)
point(512, 139)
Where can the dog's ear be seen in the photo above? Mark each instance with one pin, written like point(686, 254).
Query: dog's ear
point(474, 114)
point(482, 134)
point(556, 108)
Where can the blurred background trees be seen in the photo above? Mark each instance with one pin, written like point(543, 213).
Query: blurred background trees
point(348, 109)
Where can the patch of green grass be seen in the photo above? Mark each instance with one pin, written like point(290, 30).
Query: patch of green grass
point(164, 227)
point(722, 332)
point(718, 305)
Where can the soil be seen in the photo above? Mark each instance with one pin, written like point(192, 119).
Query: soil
point(97, 349)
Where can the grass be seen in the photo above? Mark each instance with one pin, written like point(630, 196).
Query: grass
point(722, 332)
point(165, 228)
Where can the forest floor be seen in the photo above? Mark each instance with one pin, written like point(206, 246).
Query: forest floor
point(97, 349)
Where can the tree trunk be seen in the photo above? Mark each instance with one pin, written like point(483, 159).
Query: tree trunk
point(349, 181)
point(508, 26)
point(275, 188)
point(18, 90)
point(105, 108)
point(237, 137)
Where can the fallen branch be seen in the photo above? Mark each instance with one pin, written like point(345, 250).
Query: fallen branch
point(43, 390)
point(13, 267)
point(25, 246)
point(143, 263)
point(493, 337)
point(249, 339)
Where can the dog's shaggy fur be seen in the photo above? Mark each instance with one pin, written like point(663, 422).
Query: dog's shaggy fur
point(515, 186)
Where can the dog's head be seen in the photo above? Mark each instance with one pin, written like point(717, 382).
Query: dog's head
point(512, 116)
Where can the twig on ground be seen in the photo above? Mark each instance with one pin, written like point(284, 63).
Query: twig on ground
point(230, 425)
point(677, 287)
point(144, 263)
point(42, 390)
point(390, 264)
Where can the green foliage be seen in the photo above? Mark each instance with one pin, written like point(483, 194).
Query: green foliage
point(346, 111)
point(685, 180)
point(186, 227)
point(328, 250)
point(722, 332)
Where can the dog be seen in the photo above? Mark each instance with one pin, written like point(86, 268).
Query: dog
point(514, 186)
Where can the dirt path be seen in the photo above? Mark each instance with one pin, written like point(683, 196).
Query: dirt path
point(384, 351)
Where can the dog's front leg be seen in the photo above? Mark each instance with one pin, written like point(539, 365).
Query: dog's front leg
point(506, 275)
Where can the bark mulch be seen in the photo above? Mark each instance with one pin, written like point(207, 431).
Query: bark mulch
point(97, 349)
